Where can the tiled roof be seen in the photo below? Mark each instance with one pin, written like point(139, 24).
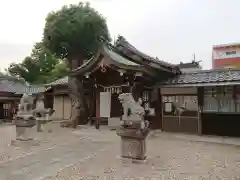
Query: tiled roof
point(189, 65)
point(113, 54)
point(117, 57)
point(61, 81)
point(32, 89)
point(206, 76)
point(18, 86)
point(122, 42)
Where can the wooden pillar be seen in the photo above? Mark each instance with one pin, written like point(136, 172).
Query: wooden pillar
point(92, 104)
point(97, 104)
point(63, 106)
point(156, 103)
point(235, 98)
point(160, 109)
point(10, 113)
point(200, 98)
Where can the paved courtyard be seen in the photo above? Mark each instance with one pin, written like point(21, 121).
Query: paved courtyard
point(66, 154)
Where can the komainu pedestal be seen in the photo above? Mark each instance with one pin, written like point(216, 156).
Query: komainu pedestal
point(134, 129)
point(133, 142)
point(41, 113)
point(25, 119)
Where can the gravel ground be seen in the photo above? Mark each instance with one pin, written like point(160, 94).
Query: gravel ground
point(60, 136)
point(89, 154)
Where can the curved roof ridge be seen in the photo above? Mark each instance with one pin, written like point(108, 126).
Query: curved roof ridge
point(121, 41)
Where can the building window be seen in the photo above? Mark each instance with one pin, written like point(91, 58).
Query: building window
point(226, 104)
point(237, 92)
point(180, 105)
point(145, 96)
point(238, 104)
point(231, 52)
point(145, 99)
point(219, 100)
point(210, 104)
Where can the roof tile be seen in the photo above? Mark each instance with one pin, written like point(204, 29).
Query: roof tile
point(18, 86)
point(209, 76)
point(61, 81)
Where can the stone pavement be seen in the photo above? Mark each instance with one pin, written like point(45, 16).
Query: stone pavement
point(66, 154)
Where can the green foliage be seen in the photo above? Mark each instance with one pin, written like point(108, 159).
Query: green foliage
point(59, 70)
point(28, 70)
point(40, 67)
point(75, 31)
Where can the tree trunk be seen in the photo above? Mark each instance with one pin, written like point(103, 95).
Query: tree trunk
point(76, 92)
point(78, 101)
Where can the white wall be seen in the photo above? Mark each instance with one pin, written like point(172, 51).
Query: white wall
point(57, 106)
point(105, 104)
point(221, 53)
point(189, 70)
point(67, 107)
point(62, 107)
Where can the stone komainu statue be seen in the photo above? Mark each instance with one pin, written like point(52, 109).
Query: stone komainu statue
point(41, 111)
point(24, 118)
point(26, 103)
point(132, 110)
point(134, 129)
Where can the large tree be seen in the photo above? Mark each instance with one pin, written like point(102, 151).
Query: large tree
point(74, 32)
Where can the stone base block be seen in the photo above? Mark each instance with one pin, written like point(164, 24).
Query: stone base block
point(133, 141)
point(20, 138)
point(32, 142)
point(127, 161)
point(133, 148)
point(40, 123)
point(39, 126)
point(22, 134)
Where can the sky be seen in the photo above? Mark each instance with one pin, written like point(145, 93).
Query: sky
point(172, 30)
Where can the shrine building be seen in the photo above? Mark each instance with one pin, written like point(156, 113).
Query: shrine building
point(122, 68)
point(179, 99)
